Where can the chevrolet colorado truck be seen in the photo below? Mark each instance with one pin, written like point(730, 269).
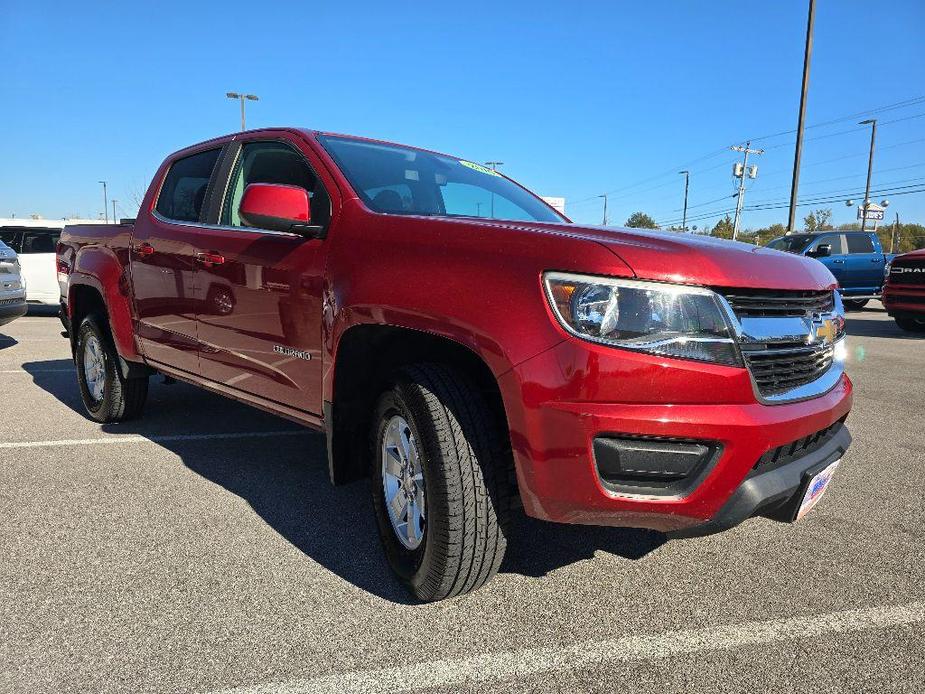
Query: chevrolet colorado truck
point(466, 346)
point(855, 258)
point(904, 293)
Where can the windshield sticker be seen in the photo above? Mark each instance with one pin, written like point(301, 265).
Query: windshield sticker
point(479, 168)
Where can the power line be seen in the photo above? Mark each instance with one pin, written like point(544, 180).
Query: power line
point(912, 101)
point(782, 203)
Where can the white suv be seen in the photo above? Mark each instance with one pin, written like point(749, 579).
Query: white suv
point(12, 292)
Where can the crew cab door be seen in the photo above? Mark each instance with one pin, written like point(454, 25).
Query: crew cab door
point(865, 264)
point(165, 243)
point(259, 326)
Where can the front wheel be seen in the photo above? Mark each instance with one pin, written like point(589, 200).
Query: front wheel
point(107, 395)
point(854, 304)
point(912, 325)
point(439, 483)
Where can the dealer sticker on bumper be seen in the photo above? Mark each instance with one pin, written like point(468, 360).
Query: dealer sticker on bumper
point(817, 486)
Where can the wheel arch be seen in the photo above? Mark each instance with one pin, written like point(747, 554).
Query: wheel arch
point(366, 358)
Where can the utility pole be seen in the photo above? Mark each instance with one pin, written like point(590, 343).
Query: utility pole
point(494, 167)
point(605, 208)
point(893, 234)
point(687, 181)
point(870, 165)
point(105, 203)
point(740, 201)
point(478, 209)
point(242, 97)
point(798, 152)
point(114, 201)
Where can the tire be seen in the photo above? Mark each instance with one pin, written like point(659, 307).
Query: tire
point(912, 325)
point(854, 304)
point(464, 463)
point(119, 399)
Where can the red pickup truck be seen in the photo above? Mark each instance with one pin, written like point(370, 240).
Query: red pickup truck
point(904, 291)
point(465, 346)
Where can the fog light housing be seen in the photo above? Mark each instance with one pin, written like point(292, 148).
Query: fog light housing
point(652, 466)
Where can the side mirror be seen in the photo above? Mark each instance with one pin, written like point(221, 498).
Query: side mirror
point(278, 207)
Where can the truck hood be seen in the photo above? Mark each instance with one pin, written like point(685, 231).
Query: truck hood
point(667, 256)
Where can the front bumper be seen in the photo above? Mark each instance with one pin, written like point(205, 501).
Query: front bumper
point(561, 400)
point(900, 300)
point(12, 307)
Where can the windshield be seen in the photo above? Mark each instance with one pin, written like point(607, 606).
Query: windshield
point(401, 180)
point(792, 244)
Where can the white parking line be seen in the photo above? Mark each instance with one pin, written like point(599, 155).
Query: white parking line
point(37, 371)
point(532, 661)
point(135, 438)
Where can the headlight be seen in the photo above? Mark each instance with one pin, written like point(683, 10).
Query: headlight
point(664, 319)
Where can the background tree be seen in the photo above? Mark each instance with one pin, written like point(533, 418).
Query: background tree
point(723, 228)
point(640, 220)
point(818, 220)
point(907, 237)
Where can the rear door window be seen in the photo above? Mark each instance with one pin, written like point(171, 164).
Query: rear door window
point(860, 243)
point(183, 194)
point(39, 241)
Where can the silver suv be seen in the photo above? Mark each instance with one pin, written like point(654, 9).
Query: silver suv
point(12, 291)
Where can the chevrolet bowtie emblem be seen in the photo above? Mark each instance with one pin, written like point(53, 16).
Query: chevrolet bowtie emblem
point(825, 331)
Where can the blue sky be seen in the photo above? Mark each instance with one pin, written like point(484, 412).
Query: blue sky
point(576, 98)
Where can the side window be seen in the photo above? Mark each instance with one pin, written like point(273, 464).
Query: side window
point(11, 239)
point(860, 243)
point(834, 240)
point(184, 189)
point(273, 162)
point(40, 241)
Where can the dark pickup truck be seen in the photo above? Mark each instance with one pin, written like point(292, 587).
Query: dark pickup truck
point(856, 258)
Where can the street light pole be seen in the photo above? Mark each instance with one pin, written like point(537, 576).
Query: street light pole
point(114, 201)
point(687, 181)
point(494, 167)
point(798, 152)
point(105, 203)
point(870, 165)
point(605, 208)
point(242, 97)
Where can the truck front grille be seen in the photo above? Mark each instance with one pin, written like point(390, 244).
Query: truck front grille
point(899, 273)
point(779, 367)
point(749, 303)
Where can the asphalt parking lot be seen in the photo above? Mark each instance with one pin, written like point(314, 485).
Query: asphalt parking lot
point(202, 549)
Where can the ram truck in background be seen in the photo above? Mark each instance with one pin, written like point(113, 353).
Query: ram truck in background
point(465, 346)
point(904, 292)
point(855, 258)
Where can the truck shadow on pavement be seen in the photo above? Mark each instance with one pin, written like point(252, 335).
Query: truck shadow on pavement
point(860, 327)
point(285, 482)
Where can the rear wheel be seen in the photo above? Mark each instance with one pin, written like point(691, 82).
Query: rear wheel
point(855, 304)
point(912, 325)
point(439, 483)
point(107, 395)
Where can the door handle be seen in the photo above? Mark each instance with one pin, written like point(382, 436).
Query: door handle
point(875, 260)
point(209, 259)
point(143, 248)
point(838, 261)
